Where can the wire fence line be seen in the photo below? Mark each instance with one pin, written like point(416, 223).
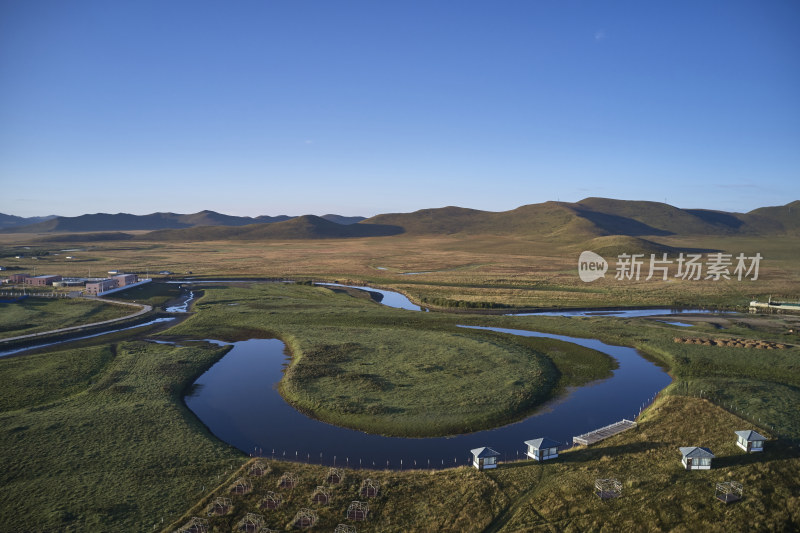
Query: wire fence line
point(322, 459)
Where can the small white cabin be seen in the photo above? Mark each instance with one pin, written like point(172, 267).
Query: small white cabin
point(696, 458)
point(542, 449)
point(750, 441)
point(484, 458)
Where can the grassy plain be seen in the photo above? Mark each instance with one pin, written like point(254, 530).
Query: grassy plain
point(761, 385)
point(522, 271)
point(657, 494)
point(359, 364)
point(362, 365)
point(36, 314)
point(97, 438)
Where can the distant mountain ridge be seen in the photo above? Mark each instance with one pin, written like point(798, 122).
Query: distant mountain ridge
point(607, 222)
point(598, 217)
point(154, 221)
point(304, 227)
point(12, 221)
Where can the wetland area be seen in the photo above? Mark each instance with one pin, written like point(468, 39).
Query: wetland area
point(353, 375)
point(569, 221)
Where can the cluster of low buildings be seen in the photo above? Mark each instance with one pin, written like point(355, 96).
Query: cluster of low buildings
point(94, 287)
point(37, 281)
point(114, 282)
point(692, 457)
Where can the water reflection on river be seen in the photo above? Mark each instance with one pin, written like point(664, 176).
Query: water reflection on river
point(237, 399)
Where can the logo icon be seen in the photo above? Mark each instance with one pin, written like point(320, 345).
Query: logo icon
point(591, 266)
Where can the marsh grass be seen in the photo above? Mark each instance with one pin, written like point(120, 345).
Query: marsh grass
point(98, 439)
point(95, 437)
point(358, 364)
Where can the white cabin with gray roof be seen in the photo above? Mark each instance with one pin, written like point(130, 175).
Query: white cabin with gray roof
point(696, 458)
point(542, 449)
point(484, 458)
point(750, 441)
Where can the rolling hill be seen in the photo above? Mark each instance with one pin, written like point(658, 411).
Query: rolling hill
point(339, 219)
point(303, 227)
point(597, 217)
point(576, 222)
point(12, 221)
point(777, 219)
point(155, 221)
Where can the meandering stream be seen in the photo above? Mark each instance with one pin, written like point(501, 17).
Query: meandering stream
point(238, 400)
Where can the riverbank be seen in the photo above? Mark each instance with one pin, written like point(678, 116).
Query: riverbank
point(386, 371)
point(324, 386)
point(558, 494)
point(251, 372)
point(130, 453)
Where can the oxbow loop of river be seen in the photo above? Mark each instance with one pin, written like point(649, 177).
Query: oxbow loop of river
point(237, 399)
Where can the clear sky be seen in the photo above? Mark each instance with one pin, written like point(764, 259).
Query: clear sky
point(366, 107)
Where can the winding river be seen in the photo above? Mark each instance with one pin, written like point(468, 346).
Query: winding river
point(237, 399)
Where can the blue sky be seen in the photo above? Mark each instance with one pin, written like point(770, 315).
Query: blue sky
point(359, 108)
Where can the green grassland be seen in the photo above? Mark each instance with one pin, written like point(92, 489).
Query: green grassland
point(761, 385)
point(34, 315)
point(97, 438)
point(657, 493)
point(362, 365)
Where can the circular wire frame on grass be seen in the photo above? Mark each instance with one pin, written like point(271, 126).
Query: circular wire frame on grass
point(304, 518)
point(728, 491)
point(220, 507)
point(345, 528)
point(321, 496)
point(258, 469)
point(251, 523)
point(288, 480)
point(607, 488)
point(194, 525)
point(241, 486)
point(370, 488)
point(271, 501)
point(335, 476)
point(357, 511)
